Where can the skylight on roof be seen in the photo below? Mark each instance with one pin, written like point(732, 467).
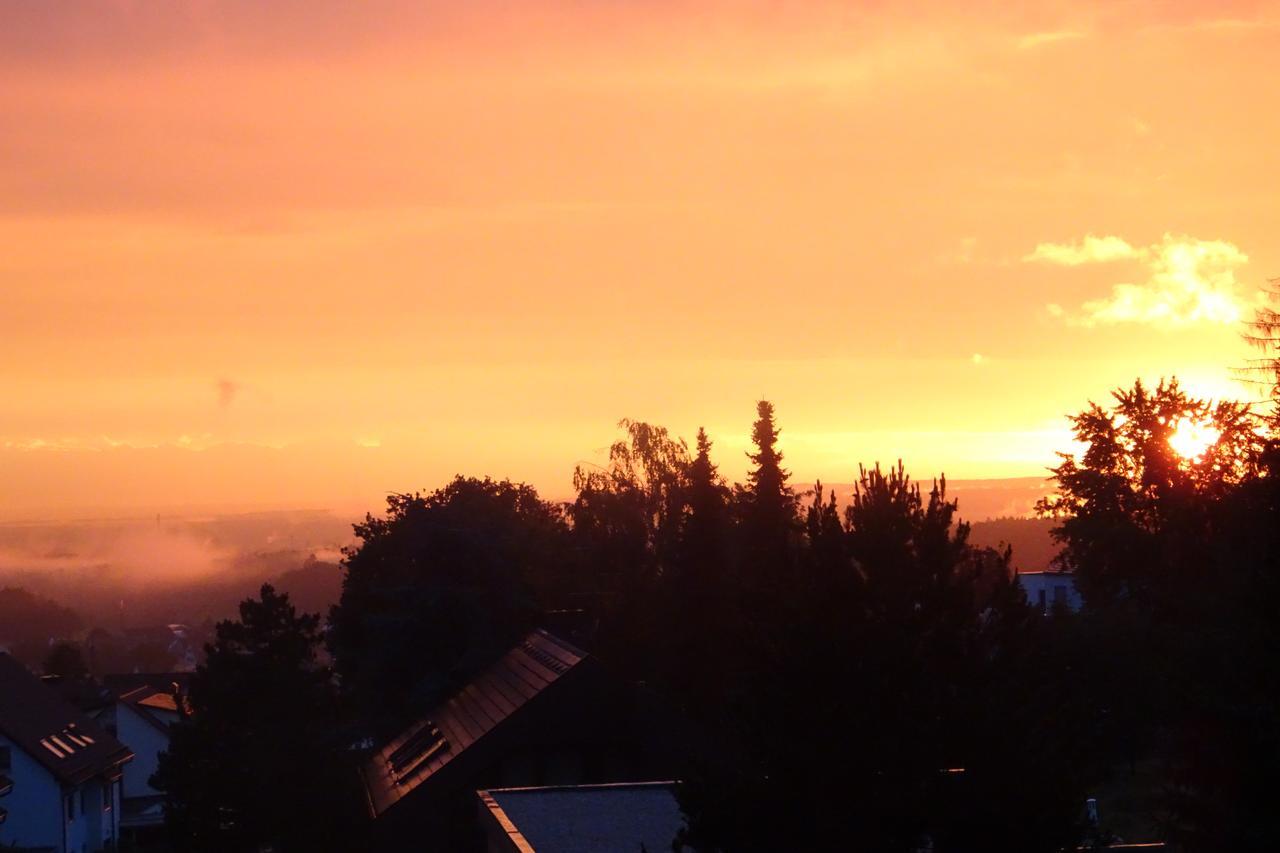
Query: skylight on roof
point(416, 751)
point(66, 742)
point(544, 657)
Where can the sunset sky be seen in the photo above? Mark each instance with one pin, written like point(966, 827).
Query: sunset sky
point(304, 253)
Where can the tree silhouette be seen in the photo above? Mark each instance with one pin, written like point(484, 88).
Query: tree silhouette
point(697, 611)
point(28, 622)
point(1263, 334)
point(628, 514)
point(871, 687)
point(438, 586)
point(767, 508)
point(1132, 510)
point(704, 534)
point(257, 757)
point(65, 660)
point(828, 550)
point(1176, 557)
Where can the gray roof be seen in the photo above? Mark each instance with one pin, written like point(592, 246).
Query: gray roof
point(55, 733)
point(587, 818)
point(469, 715)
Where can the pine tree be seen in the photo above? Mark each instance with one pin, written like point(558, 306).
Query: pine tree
point(257, 757)
point(706, 522)
point(767, 504)
point(697, 608)
point(827, 549)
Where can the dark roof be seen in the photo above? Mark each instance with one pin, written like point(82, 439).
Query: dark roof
point(420, 751)
point(123, 682)
point(586, 818)
point(83, 692)
point(67, 743)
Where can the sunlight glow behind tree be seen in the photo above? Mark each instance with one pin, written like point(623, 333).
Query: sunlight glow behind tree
point(1191, 438)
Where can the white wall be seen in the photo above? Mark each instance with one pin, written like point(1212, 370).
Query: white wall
point(34, 805)
point(37, 809)
point(147, 742)
point(1035, 583)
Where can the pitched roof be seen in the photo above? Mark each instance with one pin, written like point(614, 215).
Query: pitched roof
point(586, 818)
point(67, 743)
point(123, 682)
point(480, 706)
point(151, 705)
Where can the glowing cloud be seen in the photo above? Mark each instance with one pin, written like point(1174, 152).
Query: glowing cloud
point(1090, 250)
point(1189, 282)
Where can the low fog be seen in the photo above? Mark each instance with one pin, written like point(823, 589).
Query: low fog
point(126, 573)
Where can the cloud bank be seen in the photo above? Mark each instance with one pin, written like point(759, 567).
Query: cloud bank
point(1188, 282)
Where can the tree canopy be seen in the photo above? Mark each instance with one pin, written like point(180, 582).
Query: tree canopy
point(258, 755)
point(439, 585)
point(1177, 551)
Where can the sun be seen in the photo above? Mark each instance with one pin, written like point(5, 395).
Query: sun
point(1191, 438)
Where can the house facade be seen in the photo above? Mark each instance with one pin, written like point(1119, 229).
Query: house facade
point(1047, 590)
point(64, 771)
point(141, 717)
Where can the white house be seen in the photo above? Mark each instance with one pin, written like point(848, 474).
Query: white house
point(141, 718)
point(1047, 590)
point(63, 770)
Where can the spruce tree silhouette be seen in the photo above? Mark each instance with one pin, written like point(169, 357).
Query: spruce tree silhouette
point(871, 678)
point(698, 606)
point(767, 509)
point(257, 757)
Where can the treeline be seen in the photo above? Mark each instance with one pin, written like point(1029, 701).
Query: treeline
point(28, 621)
point(866, 678)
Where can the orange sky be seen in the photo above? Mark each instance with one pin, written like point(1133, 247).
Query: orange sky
point(304, 253)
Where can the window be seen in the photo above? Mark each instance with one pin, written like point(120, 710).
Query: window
point(1040, 598)
point(1059, 594)
point(71, 807)
point(4, 758)
point(84, 800)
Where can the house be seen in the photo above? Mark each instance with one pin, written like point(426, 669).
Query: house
point(62, 769)
point(141, 717)
point(623, 818)
point(1047, 590)
point(545, 713)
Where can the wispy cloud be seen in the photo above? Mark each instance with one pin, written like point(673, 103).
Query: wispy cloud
point(1090, 250)
point(1188, 282)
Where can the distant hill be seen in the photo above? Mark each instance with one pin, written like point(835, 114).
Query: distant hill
point(1033, 549)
